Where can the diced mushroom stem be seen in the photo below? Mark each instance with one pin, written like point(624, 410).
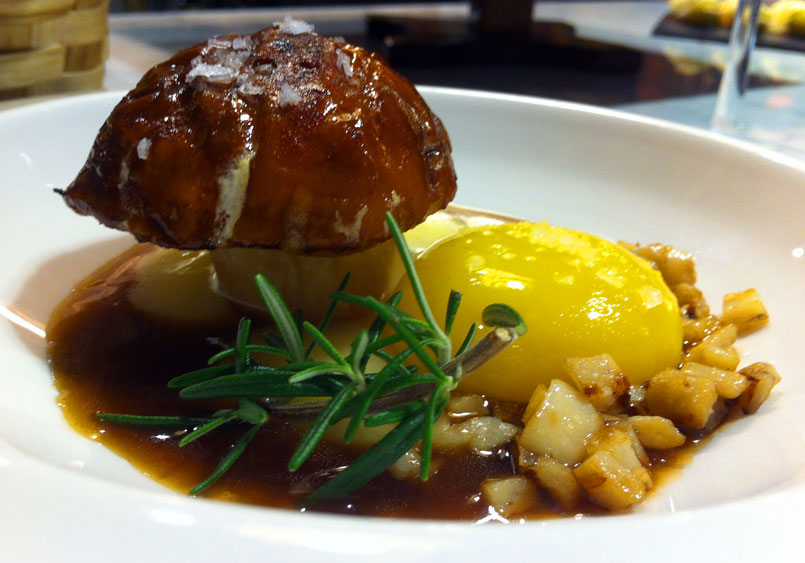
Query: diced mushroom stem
point(481, 433)
point(619, 445)
point(600, 380)
point(696, 330)
point(684, 398)
point(561, 424)
point(729, 384)
point(488, 433)
point(535, 402)
point(762, 378)
point(691, 300)
point(675, 265)
point(608, 482)
point(406, 468)
point(621, 422)
point(725, 336)
point(556, 478)
point(657, 432)
point(463, 406)
point(710, 354)
point(510, 496)
point(745, 310)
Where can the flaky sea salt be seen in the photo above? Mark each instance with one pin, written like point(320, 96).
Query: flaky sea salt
point(293, 26)
point(250, 89)
point(213, 73)
point(344, 62)
point(216, 43)
point(143, 147)
point(288, 96)
point(240, 43)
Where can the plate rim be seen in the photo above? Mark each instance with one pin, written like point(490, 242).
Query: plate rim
point(434, 528)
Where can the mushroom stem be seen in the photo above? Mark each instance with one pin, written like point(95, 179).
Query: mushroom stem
point(484, 350)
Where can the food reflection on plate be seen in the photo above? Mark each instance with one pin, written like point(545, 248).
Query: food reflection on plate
point(591, 364)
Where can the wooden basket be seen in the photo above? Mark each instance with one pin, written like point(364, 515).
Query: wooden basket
point(51, 46)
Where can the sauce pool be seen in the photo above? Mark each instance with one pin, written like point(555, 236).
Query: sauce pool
point(110, 356)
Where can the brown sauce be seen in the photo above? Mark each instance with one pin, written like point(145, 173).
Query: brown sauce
point(108, 356)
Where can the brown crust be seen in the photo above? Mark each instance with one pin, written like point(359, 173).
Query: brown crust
point(322, 170)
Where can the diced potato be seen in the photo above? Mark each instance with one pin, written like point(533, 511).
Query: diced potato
point(762, 378)
point(608, 483)
point(745, 310)
point(537, 397)
point(619, 445)
point(558, 480)
point(657, 432)
point(712, 355)
point(561, 424)
point(600, 380)
point(510, 496)
point(675, 265)
point(684, 398)
point(487, 433)
point(729, 384)
point(467, 405)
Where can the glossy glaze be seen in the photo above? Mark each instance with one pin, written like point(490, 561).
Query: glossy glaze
point(274, 140)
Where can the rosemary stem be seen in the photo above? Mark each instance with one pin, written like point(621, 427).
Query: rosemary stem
point(484, 350)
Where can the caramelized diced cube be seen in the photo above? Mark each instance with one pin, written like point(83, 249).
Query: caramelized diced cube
point(487, 433)
point(619, 444)
point(511, 495)
point(558, 480)
point(608, 482)
point(684, 398)
point(467, 405)
point(762, 378)
point(600, 380)
point(657, 432)
point(729, 384)
point(561, 424)
point(675, 265)
point(745, 310)
point(713, 355)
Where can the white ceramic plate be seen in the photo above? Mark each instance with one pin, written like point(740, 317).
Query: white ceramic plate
point(738, 209)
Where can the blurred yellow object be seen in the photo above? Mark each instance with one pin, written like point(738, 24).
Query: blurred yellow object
point(787, 16)
point(705, 13)
point(52, 46)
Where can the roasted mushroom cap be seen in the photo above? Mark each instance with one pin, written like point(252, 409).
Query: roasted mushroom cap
point(282, 139)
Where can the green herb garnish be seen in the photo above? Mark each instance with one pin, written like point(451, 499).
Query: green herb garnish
point(339, 388)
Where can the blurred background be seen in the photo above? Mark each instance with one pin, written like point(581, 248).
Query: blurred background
point(658, 58)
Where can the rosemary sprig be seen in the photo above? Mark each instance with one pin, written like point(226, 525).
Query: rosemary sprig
point(339, 387)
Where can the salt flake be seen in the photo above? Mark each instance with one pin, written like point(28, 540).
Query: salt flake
point(344, 62)
point(293, 26)
point(216, 43)
point(240, 43)
point(288, 96)
point(213, 73)
point(143, 147)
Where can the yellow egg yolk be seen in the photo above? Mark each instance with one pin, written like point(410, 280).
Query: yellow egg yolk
point(579, 295)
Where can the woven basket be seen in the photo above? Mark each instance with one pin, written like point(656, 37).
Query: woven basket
point(51, 46)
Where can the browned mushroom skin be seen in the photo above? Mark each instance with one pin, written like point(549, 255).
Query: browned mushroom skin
point(274, 140)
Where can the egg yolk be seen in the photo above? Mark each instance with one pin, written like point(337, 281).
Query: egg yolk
point(579, 295)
